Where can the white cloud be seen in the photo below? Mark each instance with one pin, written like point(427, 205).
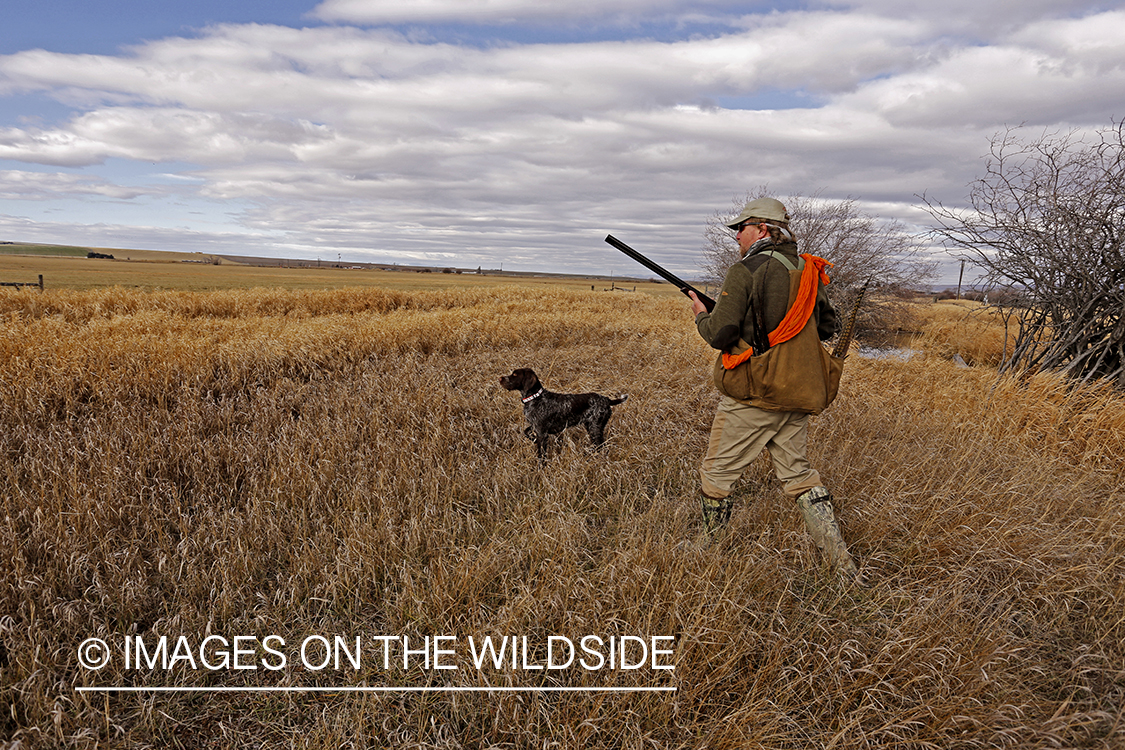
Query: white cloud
point(970, 19)
point(342, 73)
point(139, 236)
point(1096, 43)
point(338, 137)
point(1063, 72)
point(511, 11)
point(42, 186)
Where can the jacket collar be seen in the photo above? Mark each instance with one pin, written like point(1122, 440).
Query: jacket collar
point(767, 243)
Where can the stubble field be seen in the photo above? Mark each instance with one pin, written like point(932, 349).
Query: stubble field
point(344, 463)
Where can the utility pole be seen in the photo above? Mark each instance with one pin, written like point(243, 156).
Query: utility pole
point(959, 278)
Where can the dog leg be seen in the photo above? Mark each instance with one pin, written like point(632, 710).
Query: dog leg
point(596, 431)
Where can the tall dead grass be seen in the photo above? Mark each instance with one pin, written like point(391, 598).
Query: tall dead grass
point(978, 335)
point(346, 463)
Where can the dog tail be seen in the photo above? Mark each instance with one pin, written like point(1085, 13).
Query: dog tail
point(619, 400)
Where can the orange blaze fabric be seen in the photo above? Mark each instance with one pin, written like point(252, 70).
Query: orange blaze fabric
point(731, 361)
point(799, 313)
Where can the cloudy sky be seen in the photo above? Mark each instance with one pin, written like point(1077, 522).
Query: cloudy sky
point(514, 133)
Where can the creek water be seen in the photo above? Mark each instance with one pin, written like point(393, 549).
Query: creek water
point(884, 352)
point(888, 345)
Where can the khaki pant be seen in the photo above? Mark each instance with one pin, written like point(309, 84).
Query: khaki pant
point(740, 433)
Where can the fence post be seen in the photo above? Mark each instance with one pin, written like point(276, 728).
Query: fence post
point(40, 282)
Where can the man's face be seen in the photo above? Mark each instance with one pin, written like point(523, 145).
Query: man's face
point(748, 234)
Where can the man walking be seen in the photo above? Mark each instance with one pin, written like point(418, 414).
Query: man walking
point(773, 372)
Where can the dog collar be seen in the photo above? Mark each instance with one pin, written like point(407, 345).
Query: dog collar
point(533, 396)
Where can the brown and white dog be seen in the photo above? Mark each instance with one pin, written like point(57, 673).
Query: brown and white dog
point(550, 413)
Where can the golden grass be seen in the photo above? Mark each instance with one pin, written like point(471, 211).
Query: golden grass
point(253, 462)
point(967, 329)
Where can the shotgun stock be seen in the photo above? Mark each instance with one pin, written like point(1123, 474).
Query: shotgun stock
point(682, 285)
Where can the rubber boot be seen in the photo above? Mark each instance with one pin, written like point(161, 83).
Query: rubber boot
point(816, 507)
point(716, 512)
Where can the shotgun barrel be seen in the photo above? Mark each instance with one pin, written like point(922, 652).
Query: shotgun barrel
point(682, 285)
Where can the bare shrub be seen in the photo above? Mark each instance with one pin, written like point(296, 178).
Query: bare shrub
point(1046, 221)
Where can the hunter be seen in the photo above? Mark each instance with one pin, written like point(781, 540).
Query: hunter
point(773, 372)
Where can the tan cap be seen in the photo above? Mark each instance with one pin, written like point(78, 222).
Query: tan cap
point(769, 210)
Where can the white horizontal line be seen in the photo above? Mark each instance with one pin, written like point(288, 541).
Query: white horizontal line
point(360, 689)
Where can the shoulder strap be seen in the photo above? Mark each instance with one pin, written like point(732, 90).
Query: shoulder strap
point(780, 257)
point(754, 261)
point(801, 311)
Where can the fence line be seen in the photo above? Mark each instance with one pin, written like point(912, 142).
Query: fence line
point(18, 284)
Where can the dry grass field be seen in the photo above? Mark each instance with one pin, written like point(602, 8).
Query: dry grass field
point(344, 463)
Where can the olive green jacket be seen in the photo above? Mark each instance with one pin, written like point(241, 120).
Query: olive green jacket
point(798, 375)
point(759, 280)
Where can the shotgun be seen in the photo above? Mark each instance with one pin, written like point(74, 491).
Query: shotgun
point(682, 285)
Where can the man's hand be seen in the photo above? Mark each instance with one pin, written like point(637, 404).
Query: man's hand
point(696, 306)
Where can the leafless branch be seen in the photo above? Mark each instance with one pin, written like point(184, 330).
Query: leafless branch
point(1047, 218)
